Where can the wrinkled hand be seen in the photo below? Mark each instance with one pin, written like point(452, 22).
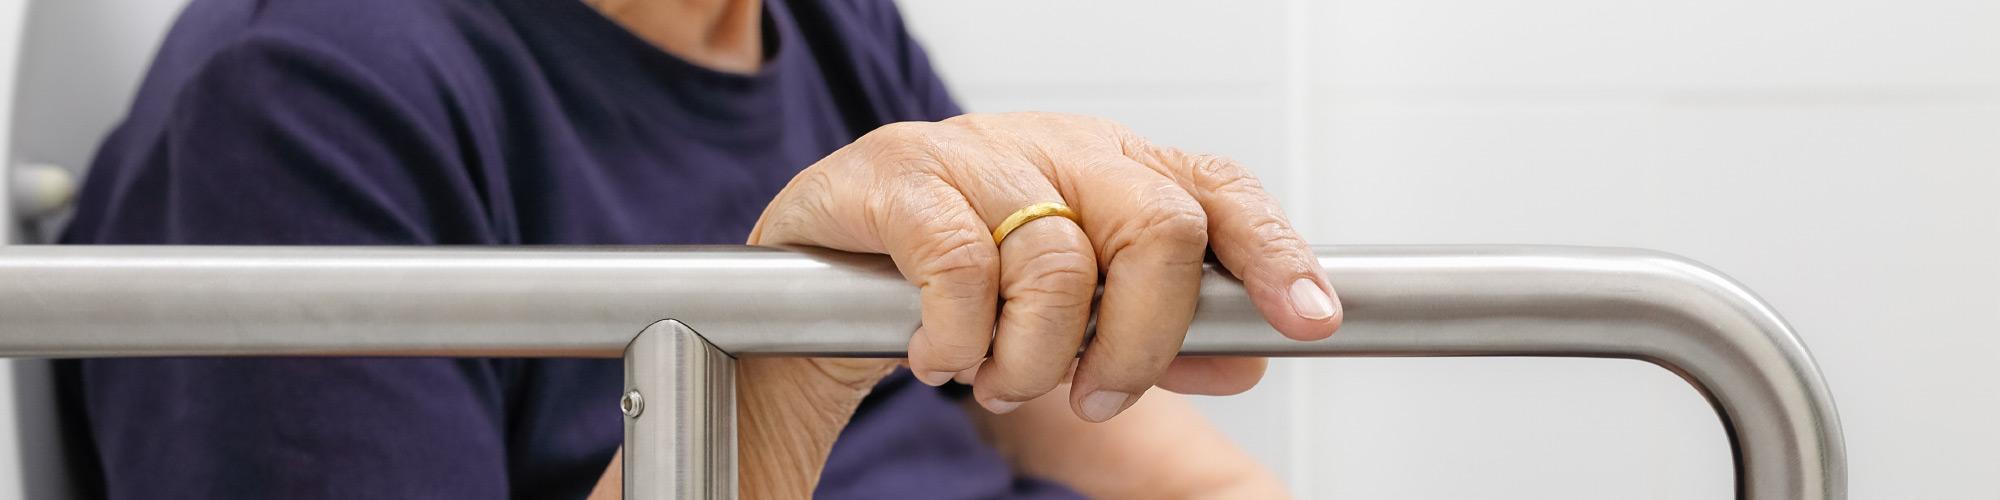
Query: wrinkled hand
point(930, 194)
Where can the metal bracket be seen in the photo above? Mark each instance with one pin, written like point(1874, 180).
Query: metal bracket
point(680, 416)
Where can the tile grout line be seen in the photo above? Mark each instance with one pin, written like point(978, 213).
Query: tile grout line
point(1297, 189)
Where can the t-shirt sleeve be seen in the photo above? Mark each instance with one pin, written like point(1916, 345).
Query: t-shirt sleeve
point(279, 141)
point(929, 86)
point(926, 86)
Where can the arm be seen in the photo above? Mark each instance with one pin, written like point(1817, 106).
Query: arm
point(286, 141)
point(1161, 447)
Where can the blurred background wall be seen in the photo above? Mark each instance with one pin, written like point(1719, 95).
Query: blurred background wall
point(1841, 157)
point(12, 14)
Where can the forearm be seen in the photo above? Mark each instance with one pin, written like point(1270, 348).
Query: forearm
point(1159, 448)
point(789, 410)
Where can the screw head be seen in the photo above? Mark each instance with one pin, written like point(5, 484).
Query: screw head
point(632, 404)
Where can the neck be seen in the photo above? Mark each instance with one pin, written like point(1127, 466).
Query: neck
point(724, 35)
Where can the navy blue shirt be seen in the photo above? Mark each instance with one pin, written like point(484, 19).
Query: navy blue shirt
point(472, 122)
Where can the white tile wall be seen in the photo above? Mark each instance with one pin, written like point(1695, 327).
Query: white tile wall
point(1839, 157)
point(1552, 44)
point(1507, 428)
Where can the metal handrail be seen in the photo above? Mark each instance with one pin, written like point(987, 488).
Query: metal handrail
point(102, 301)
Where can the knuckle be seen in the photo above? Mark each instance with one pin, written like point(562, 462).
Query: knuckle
point(1042, 324)
point(1170, 154)
point(902, 146)
point(1276, 250)
point(1061, 278)
point(1127, 141)
point(960, 262)
point(801, 209)
point(974, 121)
point(1215, 173)
point(899, 132)
point(947, 354)
point(1139, 147)
point(1179, 222)
point(1275, 236)
point(1046, 117)
point(1174, 221)
point(1098, 123)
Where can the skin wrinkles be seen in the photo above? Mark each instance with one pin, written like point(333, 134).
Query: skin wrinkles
point(1010, 316)
point(935, 190)
point(928, 194)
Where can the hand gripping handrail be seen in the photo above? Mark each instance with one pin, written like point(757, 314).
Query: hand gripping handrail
point(99, 301)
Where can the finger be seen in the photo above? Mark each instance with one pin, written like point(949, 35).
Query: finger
point(970, 377)
point(1212, 376)
point(1048, 275)
point(1150, 238)
point(1250, 234)
point(941, 246)
point(881, 195)
point(966, 377)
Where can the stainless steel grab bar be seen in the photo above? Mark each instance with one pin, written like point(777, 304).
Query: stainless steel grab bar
point(102, 301)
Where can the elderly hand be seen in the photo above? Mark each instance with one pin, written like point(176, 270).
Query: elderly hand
point(930, 195)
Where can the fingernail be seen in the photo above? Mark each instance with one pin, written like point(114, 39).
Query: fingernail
point(934, 379)
point(1311, 302)
point(999, 407)
point(1102, 405)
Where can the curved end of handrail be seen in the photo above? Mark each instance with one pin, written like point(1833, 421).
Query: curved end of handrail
point(1757, 373)
point(1584, 302)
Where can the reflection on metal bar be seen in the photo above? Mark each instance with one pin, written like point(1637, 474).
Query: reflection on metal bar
point(1401, 301)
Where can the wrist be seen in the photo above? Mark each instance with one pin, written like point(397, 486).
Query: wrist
point(789, 411)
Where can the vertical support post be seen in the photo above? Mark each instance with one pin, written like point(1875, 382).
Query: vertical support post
point(680, 416)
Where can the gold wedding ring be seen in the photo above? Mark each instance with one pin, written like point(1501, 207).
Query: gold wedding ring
point(1029, 214)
